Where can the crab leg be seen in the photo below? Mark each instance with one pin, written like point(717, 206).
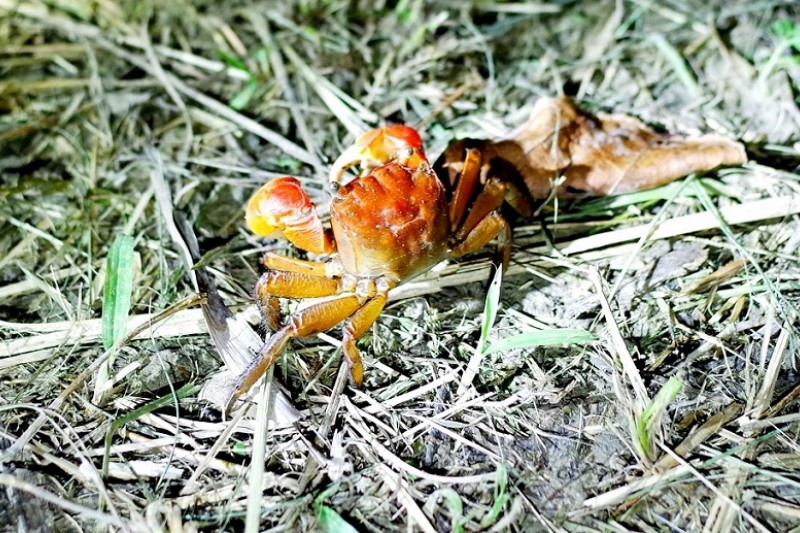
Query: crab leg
point(483, 223)
point(275, 284)
point(465, 186)
point(490, 198)
point(290, 278)
point(274, 261)
point(486, 230)
point(310, 321)
point(270, 308)
point(296, 285)
point(518, 198)
point(355, 328)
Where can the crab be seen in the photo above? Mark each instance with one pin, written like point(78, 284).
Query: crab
point(395, 220)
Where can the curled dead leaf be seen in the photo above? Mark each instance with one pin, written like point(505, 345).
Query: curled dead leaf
point(237, 344)
point(596, 155)
point(235, 340)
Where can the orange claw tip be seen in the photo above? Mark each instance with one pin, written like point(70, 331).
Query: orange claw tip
point(395, 143)
point(406, 135)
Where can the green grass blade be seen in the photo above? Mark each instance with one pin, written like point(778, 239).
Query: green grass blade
point(452, 500)
point(331, 522)
point(678, 64)
point(490, 308)
point(649, 420)
point(233, 61)
point(117, 290)
point(547, 337)
point(611, 203)
point(501, 498)
point(243, 97)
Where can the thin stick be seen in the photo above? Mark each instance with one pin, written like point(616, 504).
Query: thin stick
point(696, 222)
point(702, 479)
point(333, 404)
point(764, 396)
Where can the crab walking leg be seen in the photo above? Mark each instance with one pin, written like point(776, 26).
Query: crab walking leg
point(465, 186)
point(287, 284)
point(310, 321)
point(355, 328)
point(296, 285)
point(486, 230)
point(274, 261)
point(270, 309)
point(489, 199)
point(518, 198)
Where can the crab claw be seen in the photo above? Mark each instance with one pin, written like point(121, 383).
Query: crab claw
point(390, 144)
point(281, 208)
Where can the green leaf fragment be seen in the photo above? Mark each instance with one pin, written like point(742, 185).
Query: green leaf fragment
point(501, 498)
point(547, 337)
point(187, 390)
point(233, 61)
point(331, 522)
point(788, 31)
point(452, 500)
point(490, 307)
point(117, 290)
point(244, 96)
point(650, 418)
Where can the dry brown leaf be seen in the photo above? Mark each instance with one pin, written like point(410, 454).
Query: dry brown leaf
point(597, 155)
point(719, 276)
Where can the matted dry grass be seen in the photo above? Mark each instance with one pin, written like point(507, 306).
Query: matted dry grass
point(117, 116)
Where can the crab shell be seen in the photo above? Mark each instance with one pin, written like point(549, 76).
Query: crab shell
point(391, 222)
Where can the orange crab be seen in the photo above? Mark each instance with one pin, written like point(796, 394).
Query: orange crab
point(396, 219)
point(392, 222)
